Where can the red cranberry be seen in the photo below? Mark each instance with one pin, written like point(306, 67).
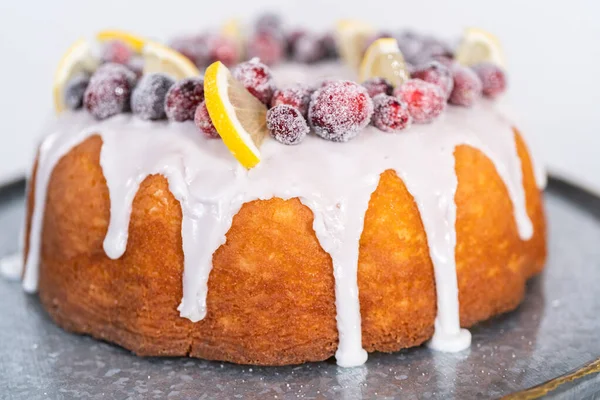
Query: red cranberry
point(447, 61)
point(116, 51)
point(204, 123)
point(291, 39)
point(425, 100)
point(377, 86)
point(268, 22)
point(297, 96)
point(270, 48)
point(308, 49)
point(390, 114)
point(286, 124)
point(183, 98)
point(193, 47)
point(492, 77)
point(436, 73)
point(109, 91)
point(148, 98)
point(75, 90)
point(329, 45)
point(339, 110)
point(257, 78)
point(467, 86)
point(221, 48)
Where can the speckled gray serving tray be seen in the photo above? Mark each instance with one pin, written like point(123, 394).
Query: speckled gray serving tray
point(549, 345)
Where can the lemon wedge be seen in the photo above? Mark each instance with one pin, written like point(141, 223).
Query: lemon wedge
point(351, 37)
point(135, 42)
point(77, 59)
point(161, 58)
point(384, 59)
point(239, 118)
point(478, 46)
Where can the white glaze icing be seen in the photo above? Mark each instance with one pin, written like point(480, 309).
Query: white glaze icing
point(334, 180)
point(11, 266)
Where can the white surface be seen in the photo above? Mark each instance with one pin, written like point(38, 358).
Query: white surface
point(552, 49)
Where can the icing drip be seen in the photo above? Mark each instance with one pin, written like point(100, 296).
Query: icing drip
point(334, 180)
point(11, 266)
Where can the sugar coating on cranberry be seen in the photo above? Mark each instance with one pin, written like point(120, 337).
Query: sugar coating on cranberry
point(425, 100)
point(308, 49)
point(109, 91)
point(339, 110)
point(221, 48)
point(204, 123)
point(377, 86)
point(329, 45)
point(148, 98)
point(390, 114)
point(493, 79)
point(268, 22)
point(183, 98)
point(467, 86)
point(268, 46)
point(257, 78)
point(116, 51)
point(297, 96)
point(195, 48)
point(75, 90)
point(436, 73)
point(286, 124)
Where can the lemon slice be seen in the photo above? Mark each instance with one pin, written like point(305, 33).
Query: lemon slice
point(478, 46)
point(351, 37)
point(78, 59)
point(384, 59)
point(161, 58)
point(238, 116)
point(135, 42)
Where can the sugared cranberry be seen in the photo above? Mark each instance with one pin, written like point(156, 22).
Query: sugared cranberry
point(116, 51)
point(425, 100)
point(109, 91)
point(436, 73)
point(492, 77)
point(467, 86)
point(390, 114)
point(446, 61)
point(286, 124)
point(308, 49)
point(204, 123)
point(75, 90)
point(257, 78)
point(183, 98)
point(291, 39)
point(193, 47)
point(410, 45)
point(339, 110)
point(268, 22)
point(297, 96)
point(329, 45)
point(148, 98)
point(377, 86)
point(136, 65)
point(269, 47)
point(221, 48)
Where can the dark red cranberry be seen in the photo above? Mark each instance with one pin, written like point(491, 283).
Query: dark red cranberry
point(493, 79)
point(390, 114)
point(286, 124)
point(269, 47)
point(291, 39)
point(377, 86)
point(257, 78)
point(204, 123)
point(109, 91)
point(195, 48)
point(75, 90)
point(436, 73)
point(308, 49)
point(340, 110)
point(329, 45)
point(467, 86)
point(116, 51)
point(425, 100)
point(148, 98)
point(297, 96)
point(183, 98)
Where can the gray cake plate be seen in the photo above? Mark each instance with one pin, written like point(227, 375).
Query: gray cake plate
point(549, 346)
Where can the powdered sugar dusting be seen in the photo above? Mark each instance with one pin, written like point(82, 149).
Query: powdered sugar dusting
point(286, 124)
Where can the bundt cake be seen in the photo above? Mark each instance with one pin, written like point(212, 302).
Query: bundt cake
point(345, 238)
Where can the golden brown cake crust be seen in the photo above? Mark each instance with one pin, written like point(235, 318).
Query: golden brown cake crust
point(271, 291)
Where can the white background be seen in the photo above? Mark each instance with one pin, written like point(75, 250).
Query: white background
point(553, 50)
